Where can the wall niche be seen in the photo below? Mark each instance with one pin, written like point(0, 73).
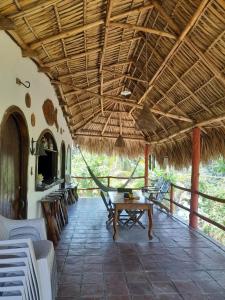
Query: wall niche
point(46, 162)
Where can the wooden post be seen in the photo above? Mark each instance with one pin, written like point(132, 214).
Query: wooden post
point(193, 219)
point(171, 199)
point(146, 164)
point(108, 181)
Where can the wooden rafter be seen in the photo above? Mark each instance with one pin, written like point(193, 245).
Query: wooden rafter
point(34, 8)
point(138, 9)
point(180, 39)
point(196, 50)
point(125, 75)
point(69, 33)
point(199, 124)
point(108, 13)
point(111, 137)
point(143, 29)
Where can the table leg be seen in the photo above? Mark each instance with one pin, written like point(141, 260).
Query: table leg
point(150, 223)
point(115, 220)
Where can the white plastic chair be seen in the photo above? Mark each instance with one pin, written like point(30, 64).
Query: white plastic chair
point(44, 253)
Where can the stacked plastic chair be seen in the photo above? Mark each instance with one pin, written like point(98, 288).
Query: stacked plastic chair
point(28, 264)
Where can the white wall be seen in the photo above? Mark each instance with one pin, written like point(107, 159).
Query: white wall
point(13, 65)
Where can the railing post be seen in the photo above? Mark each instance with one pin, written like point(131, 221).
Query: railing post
point(193, 219)
point(171, 199)
point(146, 163)
point(108, 181)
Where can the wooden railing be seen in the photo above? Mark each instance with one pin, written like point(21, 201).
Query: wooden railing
point(173, 202)
point(109, 178)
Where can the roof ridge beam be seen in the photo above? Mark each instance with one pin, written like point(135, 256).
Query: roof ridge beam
point(143, 29)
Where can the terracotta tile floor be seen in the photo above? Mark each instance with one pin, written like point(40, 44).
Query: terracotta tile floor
point(176, 264)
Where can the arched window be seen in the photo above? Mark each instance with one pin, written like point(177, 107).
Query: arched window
point(47, 162)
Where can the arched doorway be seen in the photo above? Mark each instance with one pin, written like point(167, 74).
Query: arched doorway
point(14, 150)
point(63, 163)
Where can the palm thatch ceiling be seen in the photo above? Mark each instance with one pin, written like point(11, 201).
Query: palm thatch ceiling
point(168, 54)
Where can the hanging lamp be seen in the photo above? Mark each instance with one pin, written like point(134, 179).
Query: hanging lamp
point(120, 143)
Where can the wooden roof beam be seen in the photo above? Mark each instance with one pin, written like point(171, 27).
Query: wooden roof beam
point(180, 39)
point(108, 13)
point(66, 34)
point(107, 121)
point(138, 9)
point(127, 102)
point(88, 52)
point(197, 51)
point(111, 137)
point(78, 73)
point(34, 8)
point(125, 75)
point(89, 88)
point(199, 124)
point(72, 57)
point(143, 29)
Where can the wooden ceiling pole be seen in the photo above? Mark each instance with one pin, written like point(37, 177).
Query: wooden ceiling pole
point(178, 42)
point(194, 48)
point(34, 8)
point(91, 118)
point(78, 73)
point(84, 54)
point(108, 13)
point(65, 34)
point(107, 121)
point(110, 137)
point(133, 10)
point(143, 29)
point(70, 32)
point(199, 124)
point(125, 75)
point(69, 58)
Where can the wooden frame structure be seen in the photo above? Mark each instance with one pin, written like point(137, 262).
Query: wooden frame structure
point(94, 50)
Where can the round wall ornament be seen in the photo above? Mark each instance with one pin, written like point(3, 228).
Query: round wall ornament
point(49, 112)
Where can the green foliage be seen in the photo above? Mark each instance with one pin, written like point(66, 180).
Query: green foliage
point(103, 165)
point(212, 182)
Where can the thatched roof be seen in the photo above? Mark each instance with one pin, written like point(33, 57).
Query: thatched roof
point(169, 54)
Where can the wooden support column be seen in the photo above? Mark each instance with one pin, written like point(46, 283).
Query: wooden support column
point(196, 146)
point(146, 164)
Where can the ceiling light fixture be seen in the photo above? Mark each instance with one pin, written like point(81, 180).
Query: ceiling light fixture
point(125, 93)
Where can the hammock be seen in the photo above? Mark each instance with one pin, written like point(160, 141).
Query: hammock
point(103, 187)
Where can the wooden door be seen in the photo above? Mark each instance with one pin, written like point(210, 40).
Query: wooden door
point(11, 205)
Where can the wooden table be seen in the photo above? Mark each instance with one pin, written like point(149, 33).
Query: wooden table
point(129, 204)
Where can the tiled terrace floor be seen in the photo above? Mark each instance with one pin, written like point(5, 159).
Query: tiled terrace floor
point(176, 264)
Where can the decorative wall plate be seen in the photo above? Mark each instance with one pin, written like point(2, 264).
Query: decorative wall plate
point(33, 119)
point(28, 100)
point(49, 112)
